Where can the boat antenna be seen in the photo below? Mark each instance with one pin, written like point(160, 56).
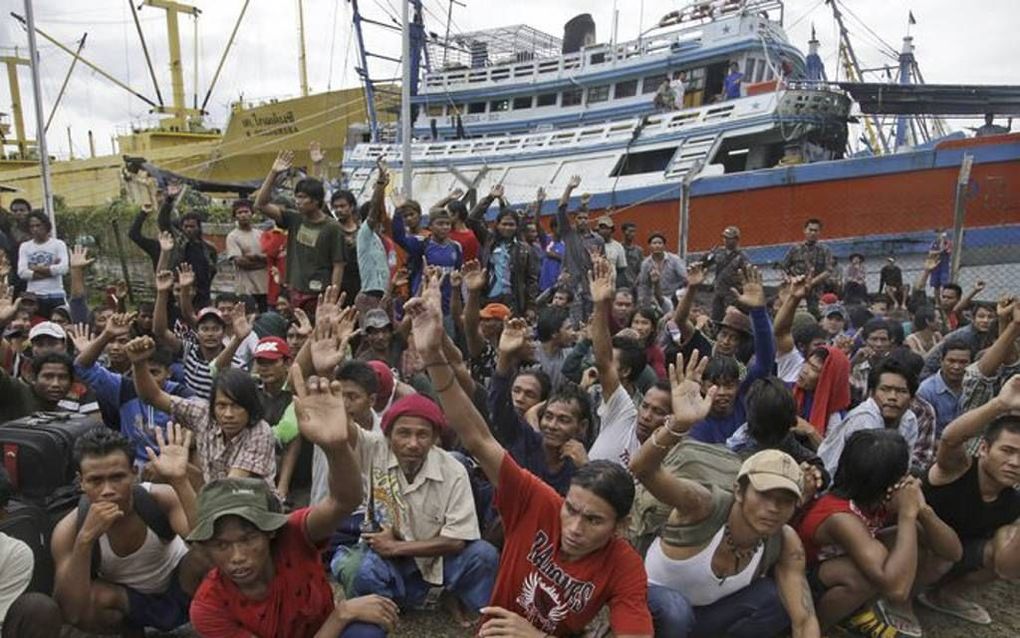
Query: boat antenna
point(223, 58)
point(145, 51)
point(302, 66)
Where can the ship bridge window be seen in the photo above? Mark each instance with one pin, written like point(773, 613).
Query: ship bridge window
point(652, 83)
point(627, 88)
point(434, 110)
point(572, 97)
point(522, 102)
point(643, 162)
point(598, 94)
point(497, 106)
point(476, 107)
point(547, 99)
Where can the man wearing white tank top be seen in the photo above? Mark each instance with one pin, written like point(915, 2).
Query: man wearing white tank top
point(145, 575)
point(724, 564)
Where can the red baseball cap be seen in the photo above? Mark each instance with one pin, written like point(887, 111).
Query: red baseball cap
point(272, 348)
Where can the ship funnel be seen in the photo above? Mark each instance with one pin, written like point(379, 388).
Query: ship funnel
point(578, 32)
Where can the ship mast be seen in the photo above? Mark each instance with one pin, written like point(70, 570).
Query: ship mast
point(12, 62)
point(302, 65)
point(179, 112)
point(879, 145)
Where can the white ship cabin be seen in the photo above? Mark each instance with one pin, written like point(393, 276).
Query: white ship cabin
point(515, 80)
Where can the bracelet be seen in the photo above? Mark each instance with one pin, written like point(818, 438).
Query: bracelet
point(657, 445)
point(671, 421)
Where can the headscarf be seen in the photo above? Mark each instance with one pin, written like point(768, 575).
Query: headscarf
point(831, 393)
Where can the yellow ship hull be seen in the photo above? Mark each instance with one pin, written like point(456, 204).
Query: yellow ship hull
point(244, 152)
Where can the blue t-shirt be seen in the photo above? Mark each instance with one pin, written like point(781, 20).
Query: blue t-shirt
point(731, 85)
point(550, 271)
point(499, 263)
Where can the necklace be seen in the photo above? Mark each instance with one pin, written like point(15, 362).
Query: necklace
point(740, 554)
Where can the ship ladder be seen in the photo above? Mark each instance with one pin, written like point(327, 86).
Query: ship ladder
point(694, 151)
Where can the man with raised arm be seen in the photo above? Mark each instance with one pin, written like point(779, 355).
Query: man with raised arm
point(316, 252)
point(563, 559)
point(976, 496)
point(708, 570)
point(268, 580)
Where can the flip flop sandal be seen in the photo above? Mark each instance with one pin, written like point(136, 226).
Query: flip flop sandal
point(869, 623)
point(905, 623)
point(972, 612)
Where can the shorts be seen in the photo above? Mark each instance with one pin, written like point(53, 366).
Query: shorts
point(973, 557)
point(164, 611)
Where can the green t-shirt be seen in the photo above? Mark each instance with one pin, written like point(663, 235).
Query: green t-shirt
point(312, 249)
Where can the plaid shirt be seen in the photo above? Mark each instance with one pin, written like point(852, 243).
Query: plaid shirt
point(923, 454)
point(978, 390)
point(253, 450)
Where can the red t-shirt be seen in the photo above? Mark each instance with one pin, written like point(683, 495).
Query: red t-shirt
point(818, 512)
point(468, 243)
point(298, 602)
point(558, 597)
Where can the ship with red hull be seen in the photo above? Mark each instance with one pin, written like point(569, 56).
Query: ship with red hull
point(661, 137)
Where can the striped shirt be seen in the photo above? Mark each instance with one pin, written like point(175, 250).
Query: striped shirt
point(198, 374)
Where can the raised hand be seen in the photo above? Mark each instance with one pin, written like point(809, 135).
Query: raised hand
point(315, 153)
point(185, 275)
point(602, 281)
point(8, 304)
point(328, 349)
point(931, 262)
point(426, 313)
point(284, 160)
point(171, 464)
point(119, 325)
point(753, 293)
point(496, 191)
point(79, 258)
point(1009, 395)
point(979, 286)
point(240, 323)
point(689, 406)
point(346, 325)
point(166, 241)
point(384, 174)
point(799, 286)
point(585, 198)
point(319, 406)
point(304, 326)
point(514, 337)
point(456, 193)
point(574, 181)
point(329, 304)
point(474, 276)
point(456, 279)
point(164, 281)
point(695, 274)
point(140, 349)
point(81, 335)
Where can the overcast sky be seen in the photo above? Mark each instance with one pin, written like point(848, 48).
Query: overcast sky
point(956, 43)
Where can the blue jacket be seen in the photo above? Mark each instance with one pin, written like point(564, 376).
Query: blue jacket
point(138, 420)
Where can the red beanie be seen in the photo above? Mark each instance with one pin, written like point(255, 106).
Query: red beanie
point(414, 405)
point(384, 376)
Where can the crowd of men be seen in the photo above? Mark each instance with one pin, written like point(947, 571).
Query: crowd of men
point(532, 421)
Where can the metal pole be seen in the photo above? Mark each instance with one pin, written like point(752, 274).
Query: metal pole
point(959, 211)
point(405, 100)
point(63, 87)
point(302, 66)
point(40, 135)
point(145, 51)
point(70, 144)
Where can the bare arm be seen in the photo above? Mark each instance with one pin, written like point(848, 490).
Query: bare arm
point(456, 361)
point(602, 282)
point(1002, 349)
point(160, 322)
point(794, 591)
point(951, 458)
point(470, 426)
point(281, 164)
point(475, 278)
point(964, 303)
point(242, 328)
point(691, 499)
point(139, 350)
point(323, 421)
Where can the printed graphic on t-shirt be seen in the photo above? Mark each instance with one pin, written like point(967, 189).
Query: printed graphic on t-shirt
point(42, 258)
point(548, 594)
point(307, 235)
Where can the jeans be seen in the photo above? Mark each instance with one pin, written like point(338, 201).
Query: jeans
point(753, 611)
point(362, 630)
point(470, 575)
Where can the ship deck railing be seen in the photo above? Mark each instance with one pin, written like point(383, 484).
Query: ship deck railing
point(581, 136)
